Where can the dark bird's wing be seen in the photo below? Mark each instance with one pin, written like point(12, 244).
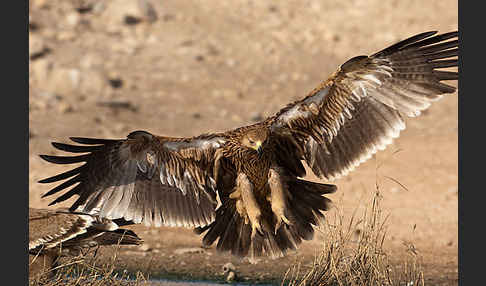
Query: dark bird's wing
point(51, 228)
point(358, 110)
point(143, 178)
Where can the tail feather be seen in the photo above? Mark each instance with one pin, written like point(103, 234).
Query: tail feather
point(304, 210)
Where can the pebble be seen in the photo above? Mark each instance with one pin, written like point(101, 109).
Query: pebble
point(39, 70)
point(148, 11)
point(37, 46)
point(72, 19)
point(187, 250)
point(229, 271)
point(65, 35)
point(65, 107)
point(129, 12)
point(145, 247)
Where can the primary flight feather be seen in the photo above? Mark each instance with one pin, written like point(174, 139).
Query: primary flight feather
point(255, 171)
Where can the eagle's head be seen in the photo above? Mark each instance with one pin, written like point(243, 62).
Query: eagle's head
point(255, 139)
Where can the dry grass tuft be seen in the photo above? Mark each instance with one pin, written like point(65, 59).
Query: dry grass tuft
point(86, 270)
point(353, 254)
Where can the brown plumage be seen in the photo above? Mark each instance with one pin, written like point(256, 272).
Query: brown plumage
point(255, 171)
point(59, 232)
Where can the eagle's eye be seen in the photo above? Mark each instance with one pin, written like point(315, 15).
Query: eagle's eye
point(251, 141)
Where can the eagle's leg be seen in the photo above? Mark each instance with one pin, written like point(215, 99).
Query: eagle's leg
point(240, 208)
point(278, 197)
point(246, 204)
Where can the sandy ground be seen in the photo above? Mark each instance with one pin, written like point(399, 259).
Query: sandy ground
point(103, 69)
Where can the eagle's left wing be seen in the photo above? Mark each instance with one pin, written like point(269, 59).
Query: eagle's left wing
point(144, 178)
point(357, 111)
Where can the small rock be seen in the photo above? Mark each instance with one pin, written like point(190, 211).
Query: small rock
point(33, 26)
point(99, 7)
point(213, 51)
point(228, 267)
point(231, 276)
point(148, 10)
point(64, 107)
point(296, 76)
point(131, 20)
point(72, 19)
point(39, 70)
point(91, 61)
point(229, 271)
point(145, 247)
point(128, 46)
point(190, 250)
point(65, 35)
point(152, 39)
point(168, 17)
point(129, 12)
point(231, 62)
point(115, 82)
point(117, 105)
point(37, 47)
point(84, 7)
point(49, 33)
point(273, 8)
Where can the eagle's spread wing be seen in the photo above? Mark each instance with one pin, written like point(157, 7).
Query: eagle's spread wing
point(357, 111)
point(143, 178)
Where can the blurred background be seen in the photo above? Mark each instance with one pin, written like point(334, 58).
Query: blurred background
point(181, 68)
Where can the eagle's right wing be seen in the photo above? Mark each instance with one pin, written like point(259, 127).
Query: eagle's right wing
point(144, 178)
point(358, 110)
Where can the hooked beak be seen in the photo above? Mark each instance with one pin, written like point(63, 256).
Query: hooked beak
point(259, 148)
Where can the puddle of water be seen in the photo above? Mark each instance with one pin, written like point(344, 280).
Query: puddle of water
point(165, 282)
